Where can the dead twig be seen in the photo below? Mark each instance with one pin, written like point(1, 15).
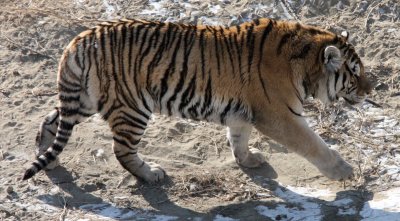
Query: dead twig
point(395, 94)
point(373, 103)
point(27, 48)
point(63, 213)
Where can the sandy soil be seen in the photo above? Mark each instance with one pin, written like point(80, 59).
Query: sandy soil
point(204, 182)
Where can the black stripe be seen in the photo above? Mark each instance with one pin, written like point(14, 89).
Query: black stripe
point(43, 163)
point(127, 154)
point(238, 52)
point(237, 107)
point(65, 88)
point(250, 46)
point(216, 43)
point(145, 102)
point(66, 82)
point(314, 31)
point(202, 44)
point(169, 71)
point(303, 53)
point(49, 156)
point(68, 98)
point(89, 53)
point(225, 112)
point(143, 123)
point(66, 111)
point(57, 147)
point(187, 94)
point(64, 133)
point(77, 44)
point(285, 38)
point(264, 36)
point(238, 29)
point(188, 45)
point(158, 54)
point(336, 78)
point(151, 38)
point(343, 80)
point(107, 114)
point(38, 166)
point(229, 50)
point(65, 125)
point(128, 122)
point(62, 139)
point(256, 21)
point(83, 54)
point(193, 111)
point(54, 119)
point(207, 97)
point(50, 131)
point(120, 141)
point(83, 114)
point(129, 137)
point(306, 88)
point(293, 112)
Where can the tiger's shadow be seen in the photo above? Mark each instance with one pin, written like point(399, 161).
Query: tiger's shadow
point(81, 199)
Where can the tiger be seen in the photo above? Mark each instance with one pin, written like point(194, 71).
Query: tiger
point(255, 74)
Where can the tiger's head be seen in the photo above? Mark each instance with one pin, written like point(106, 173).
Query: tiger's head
point(344, 73)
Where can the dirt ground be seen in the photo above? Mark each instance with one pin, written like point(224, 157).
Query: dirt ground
point(204, 182)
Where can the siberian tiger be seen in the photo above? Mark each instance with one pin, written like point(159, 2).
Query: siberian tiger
point(256, 74)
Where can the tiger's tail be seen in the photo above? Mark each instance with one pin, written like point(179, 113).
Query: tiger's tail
point(57, 127)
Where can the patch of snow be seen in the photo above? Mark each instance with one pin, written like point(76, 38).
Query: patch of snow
point(305, 210)
point(163, 218)
point(310, 212)
point(157, 9)
point(110, 9)
point(223, 218)
point(215, 8)
point(106, 210)
point(385, 208)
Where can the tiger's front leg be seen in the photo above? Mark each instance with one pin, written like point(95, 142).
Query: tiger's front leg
point(128, 127)
point(238, 137)
point(293, 132)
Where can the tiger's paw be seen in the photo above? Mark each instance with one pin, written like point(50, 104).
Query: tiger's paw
point(254, 159)
point(341, 170)
point(151, 172)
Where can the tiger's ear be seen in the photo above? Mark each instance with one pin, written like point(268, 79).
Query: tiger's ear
point(332, 58)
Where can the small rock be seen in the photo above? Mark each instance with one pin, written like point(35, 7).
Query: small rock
point(100, 153)
point(382, 87)
point(16, 73)
point(10, 189)
point(193, 187)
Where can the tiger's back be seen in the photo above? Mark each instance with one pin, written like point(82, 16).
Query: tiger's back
point(249, 75)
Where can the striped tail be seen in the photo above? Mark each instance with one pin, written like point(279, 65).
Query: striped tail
point(64, 131)
point(69, 85)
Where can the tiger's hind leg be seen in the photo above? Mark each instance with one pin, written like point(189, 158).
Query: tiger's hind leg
point(128, 127)
point(238, 137)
